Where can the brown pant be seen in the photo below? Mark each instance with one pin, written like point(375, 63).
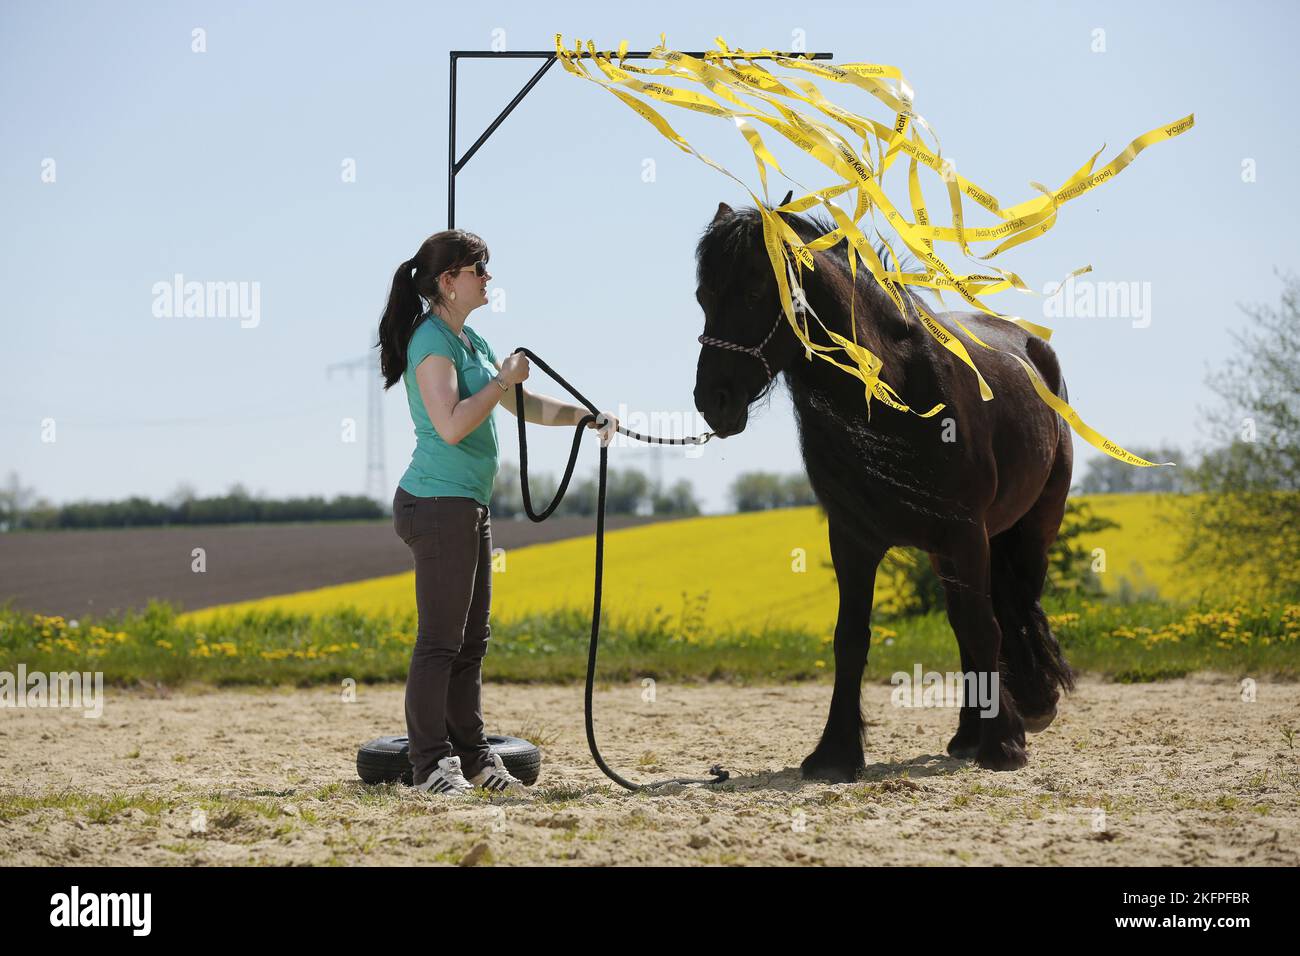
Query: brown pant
point(451, 540)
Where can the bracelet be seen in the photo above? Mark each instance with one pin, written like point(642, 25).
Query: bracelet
point(501, 383)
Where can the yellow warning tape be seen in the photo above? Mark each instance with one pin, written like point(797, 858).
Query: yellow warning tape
point(729, 75)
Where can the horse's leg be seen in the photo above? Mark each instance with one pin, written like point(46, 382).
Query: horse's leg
point(965, 742)
point(838, 755)
point(970, 609)
point(1035, 669)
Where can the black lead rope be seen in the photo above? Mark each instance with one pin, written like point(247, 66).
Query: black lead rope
point(719, 775)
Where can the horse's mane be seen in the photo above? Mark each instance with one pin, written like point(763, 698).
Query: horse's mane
point(737, 235)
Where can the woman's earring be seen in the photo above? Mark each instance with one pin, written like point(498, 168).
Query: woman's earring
point(452, 296)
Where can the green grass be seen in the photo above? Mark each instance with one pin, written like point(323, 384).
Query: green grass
point(1135, 641)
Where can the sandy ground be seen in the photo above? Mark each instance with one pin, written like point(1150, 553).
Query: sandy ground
point(1181, 772)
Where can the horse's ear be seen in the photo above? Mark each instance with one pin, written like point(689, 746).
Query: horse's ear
point(788, 197)
point(723, 212)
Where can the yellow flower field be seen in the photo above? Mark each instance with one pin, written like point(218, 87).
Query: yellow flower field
point(728, 570)
point(1142, 548)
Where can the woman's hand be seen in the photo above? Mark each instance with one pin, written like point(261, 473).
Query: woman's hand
point(606, 424)
point(515, 368)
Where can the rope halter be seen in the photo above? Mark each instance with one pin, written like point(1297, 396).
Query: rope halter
point(754, 350)
point(800, 307)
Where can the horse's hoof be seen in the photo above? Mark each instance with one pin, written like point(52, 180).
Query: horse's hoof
point(965, 743)
point(818, 766)
point(1037, 723)
point(1003, 755)
point(963, 747)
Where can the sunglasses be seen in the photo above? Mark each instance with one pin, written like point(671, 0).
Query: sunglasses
point(479, 267)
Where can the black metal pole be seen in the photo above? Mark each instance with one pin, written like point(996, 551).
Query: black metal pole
point(455, 165)
point(503, 114)
point(637, 55)
point(451, 149)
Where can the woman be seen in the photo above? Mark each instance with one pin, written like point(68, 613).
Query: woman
point(441, 507)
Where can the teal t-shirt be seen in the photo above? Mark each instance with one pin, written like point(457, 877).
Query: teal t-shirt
point(468, 468)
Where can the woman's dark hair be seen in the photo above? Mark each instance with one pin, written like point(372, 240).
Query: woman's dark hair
point(417, 278)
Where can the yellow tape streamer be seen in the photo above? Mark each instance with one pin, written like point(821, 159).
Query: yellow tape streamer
point(731, 75)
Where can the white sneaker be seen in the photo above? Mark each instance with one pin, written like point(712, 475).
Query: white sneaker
point(446, 779)
point(496, 778)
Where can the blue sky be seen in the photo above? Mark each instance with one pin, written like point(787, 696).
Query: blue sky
point(226, 166)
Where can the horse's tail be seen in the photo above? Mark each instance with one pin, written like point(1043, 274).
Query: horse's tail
point(1032, 663)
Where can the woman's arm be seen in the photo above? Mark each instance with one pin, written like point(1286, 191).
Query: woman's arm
point(452, 416)
point(544, 410)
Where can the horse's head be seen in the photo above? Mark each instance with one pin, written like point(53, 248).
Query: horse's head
point(746, 340)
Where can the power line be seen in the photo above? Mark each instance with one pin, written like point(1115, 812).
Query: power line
point(376, 483)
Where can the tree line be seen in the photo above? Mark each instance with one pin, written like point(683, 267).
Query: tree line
point(628, 491)
point(20, 510)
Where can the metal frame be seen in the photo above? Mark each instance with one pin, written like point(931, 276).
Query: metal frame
point(455, 165)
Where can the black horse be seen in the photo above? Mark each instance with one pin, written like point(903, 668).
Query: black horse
point(980, 486)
